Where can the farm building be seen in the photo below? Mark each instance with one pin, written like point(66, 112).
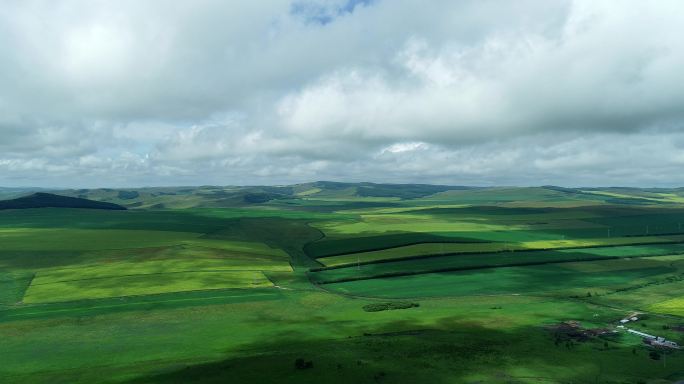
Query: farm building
point(631, 317)
point(655, 341)
point(661, 342)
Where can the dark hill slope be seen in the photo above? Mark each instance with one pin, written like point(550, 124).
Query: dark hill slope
point(48, 200)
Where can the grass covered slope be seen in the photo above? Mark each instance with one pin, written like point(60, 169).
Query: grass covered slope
point(45, 289)
point(363, 282)
point(119, 258)
point(486, 261)
point(49, 200)
point(189, 266)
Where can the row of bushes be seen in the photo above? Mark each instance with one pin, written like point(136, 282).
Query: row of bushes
point(389, 306)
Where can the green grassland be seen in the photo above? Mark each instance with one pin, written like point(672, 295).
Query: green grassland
point(13, 285)
point(613, 247)
point(672, 306)
point(547, 279)
point(185, 267)
point(235, 284)
point(423, 249)
point(46, 289)
point(327, 247)
point(61, 239)
point(484, 261)
point(546, 250)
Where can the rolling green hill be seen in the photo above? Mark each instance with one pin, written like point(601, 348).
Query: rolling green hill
point(49, 200)
point(216, 284)
point(328, 195)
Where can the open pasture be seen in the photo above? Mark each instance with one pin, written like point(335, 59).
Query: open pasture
point(503, 195)
point(671, 306)
point(46, 290)
point(419, 265)
point(169, 270)
point(457, 339)
point(610, 247)
point(327, 247)
point(193, 221)
point(500, 224)
point(415, 250)
point(69, 262)
point(13, 286)
point(403, 222)
point(66, 239)
point(162, 301)
point(211, 294)
point(442, 231)
point(547, 280)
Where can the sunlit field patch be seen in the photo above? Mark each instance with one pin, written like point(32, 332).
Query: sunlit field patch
point(673, 306)
point(48, 290)
point(22, 239)
point(486, 282)
point(181, 268)
point(409, 223)
point(598, 247)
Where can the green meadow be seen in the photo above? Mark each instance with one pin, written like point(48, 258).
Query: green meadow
point(540, 280)
point(273, 284)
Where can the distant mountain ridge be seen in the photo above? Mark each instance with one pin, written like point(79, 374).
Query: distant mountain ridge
point(49, 200)
point(363, 194)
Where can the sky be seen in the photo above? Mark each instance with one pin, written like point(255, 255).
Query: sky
point(131, 93)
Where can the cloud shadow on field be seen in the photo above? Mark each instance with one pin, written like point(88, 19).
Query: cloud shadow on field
point(404, 352)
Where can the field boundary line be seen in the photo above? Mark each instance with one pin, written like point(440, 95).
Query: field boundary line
point(153, 273)
point(400, 246)
point(473, 253)
point(473, 268)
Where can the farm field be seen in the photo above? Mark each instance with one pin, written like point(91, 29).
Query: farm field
point(45, 289)
point(341, 192)
point(540, 280)
point(671, 306)
point(370, 283)
point(613, 247)
point(483, 261)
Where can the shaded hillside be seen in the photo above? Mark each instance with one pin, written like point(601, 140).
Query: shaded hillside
point(48, 200)
point(401, 191)
point(330, 196)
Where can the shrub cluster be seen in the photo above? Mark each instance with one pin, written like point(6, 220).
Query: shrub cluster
point(303, 364)
point(389, 306)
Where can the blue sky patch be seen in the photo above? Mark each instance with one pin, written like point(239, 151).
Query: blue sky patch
point(325, 12)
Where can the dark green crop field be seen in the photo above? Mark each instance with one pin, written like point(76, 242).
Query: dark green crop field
point(340, 282)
